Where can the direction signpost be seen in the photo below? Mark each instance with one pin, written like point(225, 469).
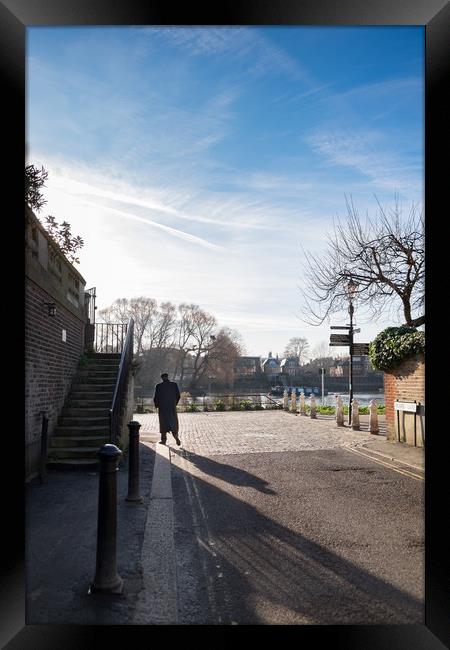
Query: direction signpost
point(339, 339)
point(358, 349)
point(361, 349)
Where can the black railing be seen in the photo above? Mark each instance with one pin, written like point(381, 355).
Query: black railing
point(89, 300)
point(220, 402)
point(89, 328)
point(115, 411)
point(110, 337)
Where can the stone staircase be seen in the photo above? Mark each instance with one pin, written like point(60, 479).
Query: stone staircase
point(83, 425)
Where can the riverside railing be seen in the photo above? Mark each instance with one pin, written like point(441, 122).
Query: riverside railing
point(216, 402)
point(121, 383)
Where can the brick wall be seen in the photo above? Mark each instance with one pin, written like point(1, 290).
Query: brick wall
point(405, 383)
point(50, 361)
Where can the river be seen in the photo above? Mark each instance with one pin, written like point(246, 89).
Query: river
point(330, 399)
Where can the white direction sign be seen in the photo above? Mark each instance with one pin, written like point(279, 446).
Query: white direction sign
point(406, 406)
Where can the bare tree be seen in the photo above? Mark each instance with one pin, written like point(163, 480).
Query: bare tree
point(179, 340)
point(297, 347)
point(322, 350)
point(186, 316)
point(198, 328)
point(162, 326)
point(160, 341)
point(383, 255)
point(117, 312)
point(144, 312)
point(219, 362)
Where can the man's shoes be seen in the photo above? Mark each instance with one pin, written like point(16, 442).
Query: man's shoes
point(163, 441)
point(177, 440)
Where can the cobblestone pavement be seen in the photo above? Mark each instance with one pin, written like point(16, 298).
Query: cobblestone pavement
point(237, 432)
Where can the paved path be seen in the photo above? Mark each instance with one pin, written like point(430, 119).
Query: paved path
point(321, 537)
point(257, 543)
point(228, 467)
point(237, 432)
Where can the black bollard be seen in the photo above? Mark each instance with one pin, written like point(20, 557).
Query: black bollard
point(133, 467)
point(106, 578)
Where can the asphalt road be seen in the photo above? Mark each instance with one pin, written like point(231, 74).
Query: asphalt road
point(297, 537)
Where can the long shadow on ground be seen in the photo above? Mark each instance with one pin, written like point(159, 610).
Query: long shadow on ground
point(244, 567)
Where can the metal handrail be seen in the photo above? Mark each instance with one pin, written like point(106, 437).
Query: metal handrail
point(103, 332)
point(124, 367)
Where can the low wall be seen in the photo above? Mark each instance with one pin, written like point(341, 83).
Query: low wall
point(406, 383)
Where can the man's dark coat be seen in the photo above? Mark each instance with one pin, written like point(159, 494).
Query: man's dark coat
point(166, 399)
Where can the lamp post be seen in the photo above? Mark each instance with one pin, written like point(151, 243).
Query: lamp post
point(212, 340)
point(322, 372)
point(351, 289)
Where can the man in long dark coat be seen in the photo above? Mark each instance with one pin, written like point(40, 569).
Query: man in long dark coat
point(166, 398)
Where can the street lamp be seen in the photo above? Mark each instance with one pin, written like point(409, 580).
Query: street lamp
point(351, 290)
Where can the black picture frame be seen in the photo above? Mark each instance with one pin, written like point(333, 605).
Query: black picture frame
point(434, 15)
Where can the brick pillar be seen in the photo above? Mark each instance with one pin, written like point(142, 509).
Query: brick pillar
point(405, 382)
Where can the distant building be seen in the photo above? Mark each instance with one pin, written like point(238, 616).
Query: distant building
point(271, 367)
point(247, 367)
point(290, 366)
point(361, 367)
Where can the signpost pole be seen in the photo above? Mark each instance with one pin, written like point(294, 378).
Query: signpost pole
point(350, 309)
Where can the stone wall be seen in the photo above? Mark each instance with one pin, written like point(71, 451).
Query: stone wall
point(406, 383)
point(53, 344)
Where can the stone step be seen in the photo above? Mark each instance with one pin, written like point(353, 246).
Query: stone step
point(94, 378)
point(103, 358)
point(105, 355)
point(80, 431)
point(83, 453)
point(97, 372)
point(86, 411)
point(101, 368)
point(78, 441)
point(87, 403)
point(83, 420)
point(81, 464)
point(89, 383)
point(97, 393)
point(102, 361)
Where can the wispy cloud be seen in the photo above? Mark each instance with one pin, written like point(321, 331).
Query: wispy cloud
point(178, 154)
point(155, 204)
point(315, 89)
point(172, 231)
point(397, 87)
point(371, 154)
point(257, 53)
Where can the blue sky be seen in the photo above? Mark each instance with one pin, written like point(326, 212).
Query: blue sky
point(194, 161)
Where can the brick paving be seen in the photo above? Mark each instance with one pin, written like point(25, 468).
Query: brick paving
point(237, 432)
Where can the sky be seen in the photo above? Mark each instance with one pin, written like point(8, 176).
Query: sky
point(196, 162)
